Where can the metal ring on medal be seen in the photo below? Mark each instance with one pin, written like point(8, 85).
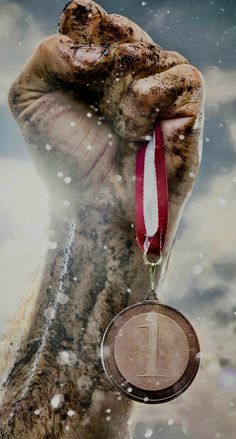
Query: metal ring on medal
point(150, 352)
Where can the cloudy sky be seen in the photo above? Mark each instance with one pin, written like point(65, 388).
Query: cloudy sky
point(202, 277)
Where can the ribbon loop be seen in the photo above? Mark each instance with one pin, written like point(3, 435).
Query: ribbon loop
point(151, 207)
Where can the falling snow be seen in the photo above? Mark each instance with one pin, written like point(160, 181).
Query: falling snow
point(49, 313)
point(67, 358)
point(84, 383)
point(71, 413)
point(67, 180)
point(222, 201)
point(51, 245)
point(197, 269)
point(62, 298)
point(148, 433)
point(57, 401)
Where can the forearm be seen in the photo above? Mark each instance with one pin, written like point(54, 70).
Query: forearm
point(94, 273)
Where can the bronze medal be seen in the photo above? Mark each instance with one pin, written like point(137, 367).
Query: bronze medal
point(150, 352)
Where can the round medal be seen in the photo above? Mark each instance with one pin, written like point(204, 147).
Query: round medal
point(150, 352)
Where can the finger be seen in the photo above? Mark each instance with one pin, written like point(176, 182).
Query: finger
point(116, 29)
point(79, 19)
point(87, 23)
point(175, 93)
point(131, 61)
point(170, 58)
point(58, 59)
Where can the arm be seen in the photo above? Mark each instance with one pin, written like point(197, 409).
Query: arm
point(87, 280)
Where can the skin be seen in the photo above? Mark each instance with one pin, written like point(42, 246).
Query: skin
point(67, 96)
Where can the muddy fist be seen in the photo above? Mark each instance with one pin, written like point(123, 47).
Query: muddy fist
point(94, 88)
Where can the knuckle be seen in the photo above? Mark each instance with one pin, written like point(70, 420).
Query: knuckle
point(197, 76)
point(177, 56)
point(49, 43)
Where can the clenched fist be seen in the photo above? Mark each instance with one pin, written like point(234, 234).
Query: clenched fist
point(85, 100)
point(96, 89)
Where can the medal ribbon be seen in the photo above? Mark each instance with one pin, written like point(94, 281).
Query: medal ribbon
point(151, 193)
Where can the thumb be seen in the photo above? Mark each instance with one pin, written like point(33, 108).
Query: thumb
point(57, 60)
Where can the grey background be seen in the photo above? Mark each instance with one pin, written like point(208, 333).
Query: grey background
point(205, 33)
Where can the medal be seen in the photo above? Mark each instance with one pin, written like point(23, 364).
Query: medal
point(150, 351)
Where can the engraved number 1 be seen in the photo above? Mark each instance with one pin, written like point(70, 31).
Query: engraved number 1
point(152, 360)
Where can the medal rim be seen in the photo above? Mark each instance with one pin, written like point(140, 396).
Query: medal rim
point(155, 396)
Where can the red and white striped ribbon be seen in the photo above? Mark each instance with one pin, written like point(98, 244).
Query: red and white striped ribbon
point(151, 206)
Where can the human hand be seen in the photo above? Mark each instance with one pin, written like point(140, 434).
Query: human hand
point(95, 90)
point(84, 101)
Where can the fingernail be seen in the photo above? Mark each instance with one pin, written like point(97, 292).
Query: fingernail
point(105, 52)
